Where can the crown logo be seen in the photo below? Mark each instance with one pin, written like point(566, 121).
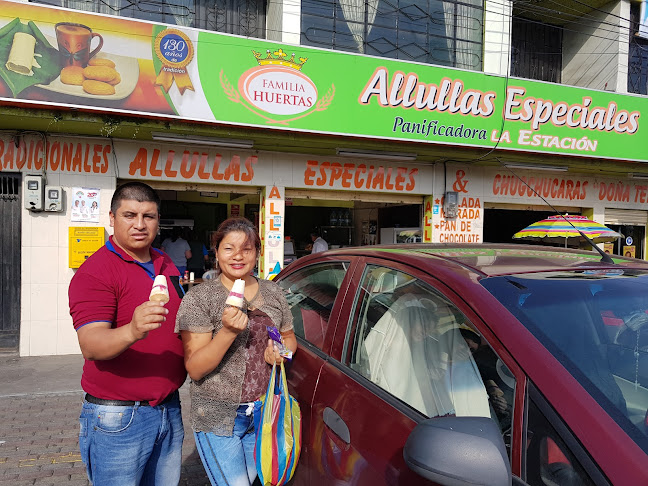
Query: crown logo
point(278, 58)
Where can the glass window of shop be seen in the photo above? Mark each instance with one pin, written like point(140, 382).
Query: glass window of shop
point(247, 18)
point(447, 33)
point(637, 54)
point(632, 242)
point(536, 50)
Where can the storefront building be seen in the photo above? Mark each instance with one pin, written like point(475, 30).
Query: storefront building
point(364, 149)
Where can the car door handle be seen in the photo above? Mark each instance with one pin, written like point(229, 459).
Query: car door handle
point(337, 425)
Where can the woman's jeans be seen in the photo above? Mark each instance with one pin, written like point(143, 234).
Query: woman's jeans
point(229, 461)
point(132, 446)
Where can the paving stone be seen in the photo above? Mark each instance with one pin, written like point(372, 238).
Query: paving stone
point(36, 455)
point(40, 402)
point(14, 481)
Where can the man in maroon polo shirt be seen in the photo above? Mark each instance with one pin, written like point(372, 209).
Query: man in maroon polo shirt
point(131, 428)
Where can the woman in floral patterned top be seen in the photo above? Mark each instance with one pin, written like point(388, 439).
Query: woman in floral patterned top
point(228, 353)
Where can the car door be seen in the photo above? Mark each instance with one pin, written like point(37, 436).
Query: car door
point(553, 455)
point(385, 376)
point(311, 292)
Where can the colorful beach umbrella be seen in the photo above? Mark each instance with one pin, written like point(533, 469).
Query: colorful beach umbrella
point(559, 229)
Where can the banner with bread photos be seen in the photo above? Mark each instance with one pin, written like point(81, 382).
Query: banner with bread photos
point(61, 57)
point(72, 58)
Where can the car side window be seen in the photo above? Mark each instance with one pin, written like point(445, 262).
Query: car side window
point(311, 292)
point(549, 461)
point(415, 344)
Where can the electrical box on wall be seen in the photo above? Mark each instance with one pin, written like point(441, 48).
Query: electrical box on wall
point(450, 204)
point(34, 192)
point(53, 198)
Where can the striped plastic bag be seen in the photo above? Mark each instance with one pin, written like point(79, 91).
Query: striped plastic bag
point(277, 421)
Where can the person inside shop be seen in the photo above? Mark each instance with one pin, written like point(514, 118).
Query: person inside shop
point(319, 243)
point(178, 249)
point(212, 271)
point(230, 345)
point(199, 254)
point(131, 429)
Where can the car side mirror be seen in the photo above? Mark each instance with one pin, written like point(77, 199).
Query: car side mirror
point(458, 451)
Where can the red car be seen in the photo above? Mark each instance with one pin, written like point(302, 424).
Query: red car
point(464, 365)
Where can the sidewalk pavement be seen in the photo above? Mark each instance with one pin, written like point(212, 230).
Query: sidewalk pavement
point(40, 403)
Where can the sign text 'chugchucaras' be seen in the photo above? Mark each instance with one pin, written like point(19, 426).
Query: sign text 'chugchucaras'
point(129, 66)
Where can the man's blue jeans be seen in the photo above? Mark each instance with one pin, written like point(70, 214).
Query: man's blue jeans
point(132, 446)
point(229, 461)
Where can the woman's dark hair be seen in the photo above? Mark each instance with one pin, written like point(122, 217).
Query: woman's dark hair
point(134, 191)
point(237, 224)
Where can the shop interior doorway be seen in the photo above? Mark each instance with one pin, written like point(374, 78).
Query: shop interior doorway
point(632, 243)
point(196, 213)
point(345, 223)
point(501, 224)
point(341, 222)
point(195, 216)
point(332, 221)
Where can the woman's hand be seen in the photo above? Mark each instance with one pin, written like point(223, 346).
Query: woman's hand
point(234, 319)
point(204, 352)
point(271, 353)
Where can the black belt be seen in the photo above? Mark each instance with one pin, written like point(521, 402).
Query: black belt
point(126, 403)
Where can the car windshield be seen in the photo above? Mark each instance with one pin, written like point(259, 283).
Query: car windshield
point(595, 322)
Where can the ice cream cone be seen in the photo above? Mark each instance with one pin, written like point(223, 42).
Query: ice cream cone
point(160, 290)
point(236, 295)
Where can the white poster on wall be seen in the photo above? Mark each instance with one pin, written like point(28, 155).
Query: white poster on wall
point(85, 205)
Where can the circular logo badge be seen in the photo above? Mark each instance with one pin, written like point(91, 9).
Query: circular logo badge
point(173, 47)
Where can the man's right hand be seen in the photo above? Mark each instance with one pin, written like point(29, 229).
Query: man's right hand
point(147, 317)
point(100, 340)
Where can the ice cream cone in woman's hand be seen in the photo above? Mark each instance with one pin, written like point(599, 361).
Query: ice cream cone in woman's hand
point(236, 295)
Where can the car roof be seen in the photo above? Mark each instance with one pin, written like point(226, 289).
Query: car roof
point(492, 259)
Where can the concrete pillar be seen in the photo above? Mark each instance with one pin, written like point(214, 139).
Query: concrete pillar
point(284, 21)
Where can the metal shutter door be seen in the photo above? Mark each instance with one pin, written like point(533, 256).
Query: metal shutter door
point(632, 217)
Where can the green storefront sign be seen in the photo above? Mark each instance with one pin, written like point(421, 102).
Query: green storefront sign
point(365, 96)
point(210, 77)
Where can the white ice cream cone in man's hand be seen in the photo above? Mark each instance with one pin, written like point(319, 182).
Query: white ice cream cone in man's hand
point(160, 290)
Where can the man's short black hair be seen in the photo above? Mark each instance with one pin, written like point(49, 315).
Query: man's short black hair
point(134, 191)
